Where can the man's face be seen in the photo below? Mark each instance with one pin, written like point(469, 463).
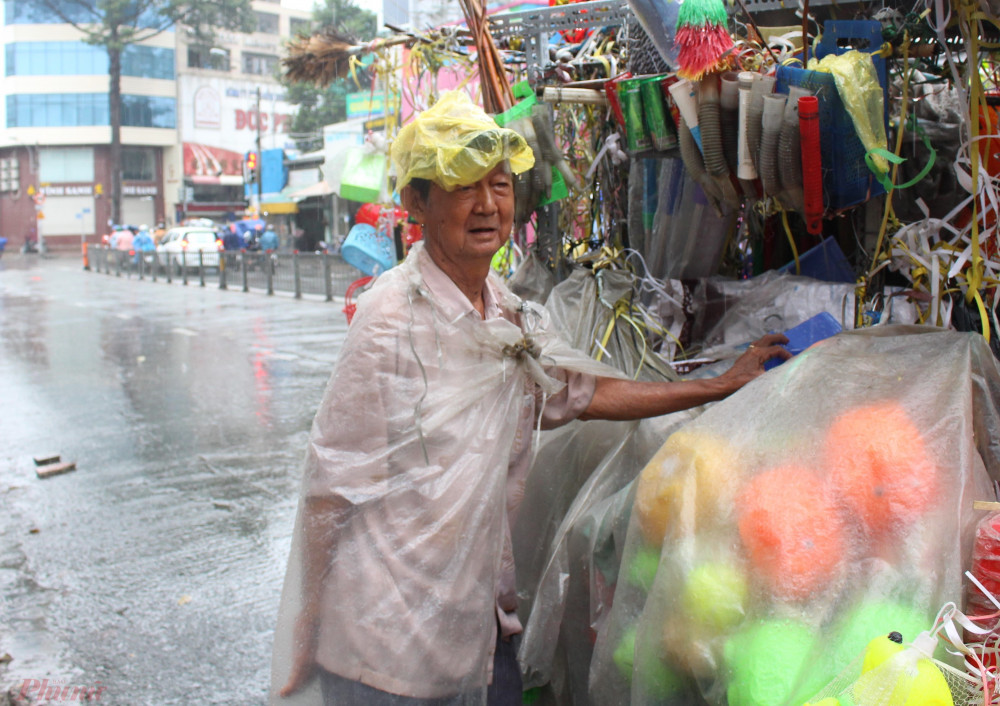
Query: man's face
point(470, 223)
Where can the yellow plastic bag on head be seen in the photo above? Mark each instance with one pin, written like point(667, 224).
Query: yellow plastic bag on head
point(455, 143)
point(859, 89)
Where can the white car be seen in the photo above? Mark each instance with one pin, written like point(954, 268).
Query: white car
point(180, 246)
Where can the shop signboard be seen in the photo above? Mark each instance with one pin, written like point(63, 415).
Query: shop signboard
point(220, 124)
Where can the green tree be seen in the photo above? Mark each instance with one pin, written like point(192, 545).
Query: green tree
point(324, 106)
point(117, 24)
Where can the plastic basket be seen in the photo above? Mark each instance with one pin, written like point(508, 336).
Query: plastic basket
point(847, 181)
point(368, 250)
point(349, 306)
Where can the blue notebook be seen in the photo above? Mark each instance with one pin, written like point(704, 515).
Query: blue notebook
point(807, 333)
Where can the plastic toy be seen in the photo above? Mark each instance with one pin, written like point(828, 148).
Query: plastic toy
point(880, 467)
point(868, 619)
point(715, 596)
point(893, 675)
point(793, 538)
point(656, 678)
point(688, 458)
point(766, 661)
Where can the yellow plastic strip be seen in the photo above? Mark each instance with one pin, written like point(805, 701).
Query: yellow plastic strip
point(791, 241)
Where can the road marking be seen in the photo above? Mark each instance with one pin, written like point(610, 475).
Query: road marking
point(185, 332)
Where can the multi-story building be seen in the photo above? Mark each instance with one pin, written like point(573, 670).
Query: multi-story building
point(189, 113)
point(218, 111)
point(55, 174)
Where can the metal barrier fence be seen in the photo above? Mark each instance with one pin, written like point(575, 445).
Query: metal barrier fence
point(300, 273)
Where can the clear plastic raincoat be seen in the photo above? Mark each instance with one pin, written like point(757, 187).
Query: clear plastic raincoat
point(423, 416)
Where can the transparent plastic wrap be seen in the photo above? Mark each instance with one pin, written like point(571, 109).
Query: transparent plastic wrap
point(455, 143)
point(568, 570)
point(402, 528)
point(826, 503)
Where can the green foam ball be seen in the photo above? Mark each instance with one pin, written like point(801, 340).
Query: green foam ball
point(869, 619)
point(715, 596)
point(656, 679)
point(765, 661)
point(642, 569)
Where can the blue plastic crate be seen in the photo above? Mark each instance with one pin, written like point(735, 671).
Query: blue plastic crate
point(825, 261)
point(847, 181)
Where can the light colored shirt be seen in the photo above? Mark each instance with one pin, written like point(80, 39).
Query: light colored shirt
point(426, 432)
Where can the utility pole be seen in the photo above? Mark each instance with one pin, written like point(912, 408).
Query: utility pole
point(260, 163)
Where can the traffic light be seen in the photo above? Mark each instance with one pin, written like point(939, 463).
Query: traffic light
point(251, 166)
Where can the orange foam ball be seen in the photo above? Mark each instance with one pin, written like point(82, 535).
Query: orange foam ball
point(794, 539)
point(879, 466)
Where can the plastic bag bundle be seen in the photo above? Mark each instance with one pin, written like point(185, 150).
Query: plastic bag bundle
point(600, 313)
point(825, 504)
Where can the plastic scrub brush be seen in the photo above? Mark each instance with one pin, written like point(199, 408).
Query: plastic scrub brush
point(701, 38)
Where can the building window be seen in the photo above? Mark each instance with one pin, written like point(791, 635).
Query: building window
point(149, 111)
point(57, 109)
point(259, 64)
point(148, 62)
point(65, 164)
point(267, 22)
point(23, 12)
point(298, 26)
point(138, 164)
point(79, 59)
point(83, 109)
point(208, 58)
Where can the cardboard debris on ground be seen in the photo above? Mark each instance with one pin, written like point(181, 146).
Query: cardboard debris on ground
point(47, 459)
point(53, 467)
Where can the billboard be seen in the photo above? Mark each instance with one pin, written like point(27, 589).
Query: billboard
point(219, 123)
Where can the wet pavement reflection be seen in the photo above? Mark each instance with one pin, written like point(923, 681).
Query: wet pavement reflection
point(155, 568)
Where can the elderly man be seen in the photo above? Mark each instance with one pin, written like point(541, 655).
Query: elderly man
point(400, 587)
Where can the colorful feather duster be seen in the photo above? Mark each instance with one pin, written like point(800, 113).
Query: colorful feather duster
point(702, 37)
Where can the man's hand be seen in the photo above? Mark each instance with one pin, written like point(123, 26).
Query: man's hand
point(751, 364)
point(303, 654)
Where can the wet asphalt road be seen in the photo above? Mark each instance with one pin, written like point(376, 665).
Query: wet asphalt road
point(155, 568)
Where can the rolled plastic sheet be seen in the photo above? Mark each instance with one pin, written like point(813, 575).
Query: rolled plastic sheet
point(774, 536)
point(812, 172)
point(685, 95)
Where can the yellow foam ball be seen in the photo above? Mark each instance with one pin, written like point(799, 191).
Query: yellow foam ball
point(927, 687)
point(715, 596)
point(685, 484)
